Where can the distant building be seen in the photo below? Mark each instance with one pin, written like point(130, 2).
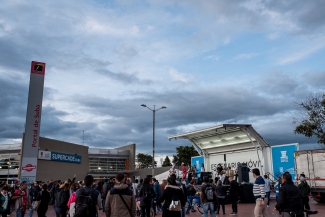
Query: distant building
point(58, 160)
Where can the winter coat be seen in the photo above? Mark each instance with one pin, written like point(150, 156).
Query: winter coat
point(156, 188)
point(289, 198)
point(304, 189)
point(114, 206)
point(44, 197)
point(171, 192)
point(62, 198)
point(145, 200)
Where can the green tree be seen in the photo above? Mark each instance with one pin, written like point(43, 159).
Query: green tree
point(312, 122)
point(145, 161)
point(184, 155)
point(167, 162)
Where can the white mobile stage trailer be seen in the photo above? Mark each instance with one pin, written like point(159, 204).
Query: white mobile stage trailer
point(312, 164)
point(240, 142)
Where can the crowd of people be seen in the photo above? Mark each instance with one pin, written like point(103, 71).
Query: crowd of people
point(121, 197)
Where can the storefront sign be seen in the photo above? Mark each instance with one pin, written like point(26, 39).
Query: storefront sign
point(44, 155)
point(61, 157)
point(55, 156)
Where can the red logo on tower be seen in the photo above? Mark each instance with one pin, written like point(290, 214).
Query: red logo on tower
point(38, 68)
point(29, 168)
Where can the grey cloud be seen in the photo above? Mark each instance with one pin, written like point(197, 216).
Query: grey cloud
point(125, 78)
point(315, 79)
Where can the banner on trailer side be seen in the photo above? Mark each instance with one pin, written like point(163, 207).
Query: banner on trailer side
point(283, 159)
point(197, 161)
point(262, 161)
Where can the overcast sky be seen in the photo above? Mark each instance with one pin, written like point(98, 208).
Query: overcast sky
point(208, 62)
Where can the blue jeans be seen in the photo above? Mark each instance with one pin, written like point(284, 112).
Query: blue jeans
point(268, 197)
point(183, 212)
point(31, 210)
point(208, 206)
point(20, 213)
point(103, 204)
point(190, 202)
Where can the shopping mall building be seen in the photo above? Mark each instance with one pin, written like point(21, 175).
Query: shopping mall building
point(59, 160)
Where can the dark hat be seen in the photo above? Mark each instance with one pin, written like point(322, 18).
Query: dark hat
point(303, 175)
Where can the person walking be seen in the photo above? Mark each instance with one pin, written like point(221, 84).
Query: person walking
point(259, 194)
point(72, 200)
point(45, 197)
point(157, 190)
point(86, 191)
point(5, 201)
point(289, 201)
point(304, 190)
point(33, 194)
point(191, 195)
point(267, 189)
point(120, 200)
point(233, 193)
point(173, 199)
point(208, 192)
point(61, 199)
point(221, 195)
point(147, 194)
point(277, 190)
point(22, 202)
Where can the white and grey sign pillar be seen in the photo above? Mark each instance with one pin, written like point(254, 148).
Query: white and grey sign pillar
point(30, 145)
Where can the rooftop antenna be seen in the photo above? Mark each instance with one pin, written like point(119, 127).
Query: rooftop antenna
point(83, 137)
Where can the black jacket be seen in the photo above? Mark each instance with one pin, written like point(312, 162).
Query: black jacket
point(191, 190)
point(234, 188)
point(289, 198)
point(44, 197)
point(62, 198)
point(221, 191)
point(143, 200)
point(171, 193)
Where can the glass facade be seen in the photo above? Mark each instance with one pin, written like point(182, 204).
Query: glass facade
point(106, 165)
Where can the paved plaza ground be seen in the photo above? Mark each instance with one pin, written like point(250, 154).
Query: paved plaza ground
point(244, 210)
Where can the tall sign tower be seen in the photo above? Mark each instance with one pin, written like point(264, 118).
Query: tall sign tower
point(30, 144)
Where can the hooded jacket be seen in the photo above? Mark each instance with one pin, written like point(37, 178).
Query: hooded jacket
point(114, 206)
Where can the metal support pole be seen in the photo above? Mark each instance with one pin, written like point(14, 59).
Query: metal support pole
point(153, 141)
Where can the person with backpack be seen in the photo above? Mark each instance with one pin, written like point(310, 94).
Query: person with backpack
point(61, 199)
point(173, 199)
point(208, 193)
point(86, 199)
point(147, 194)
point(44, 197)
point(120, 201)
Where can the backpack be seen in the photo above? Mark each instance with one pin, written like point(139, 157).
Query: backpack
point(209, 192)
point(84, 203)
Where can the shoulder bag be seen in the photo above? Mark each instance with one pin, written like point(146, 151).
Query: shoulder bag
point(125, 204)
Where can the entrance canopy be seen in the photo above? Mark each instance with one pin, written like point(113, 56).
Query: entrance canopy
point(224, 138)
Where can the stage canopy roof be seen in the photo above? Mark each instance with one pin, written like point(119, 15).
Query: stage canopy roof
point(224, 138)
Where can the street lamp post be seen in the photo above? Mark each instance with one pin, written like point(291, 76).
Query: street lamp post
point(153, 133)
